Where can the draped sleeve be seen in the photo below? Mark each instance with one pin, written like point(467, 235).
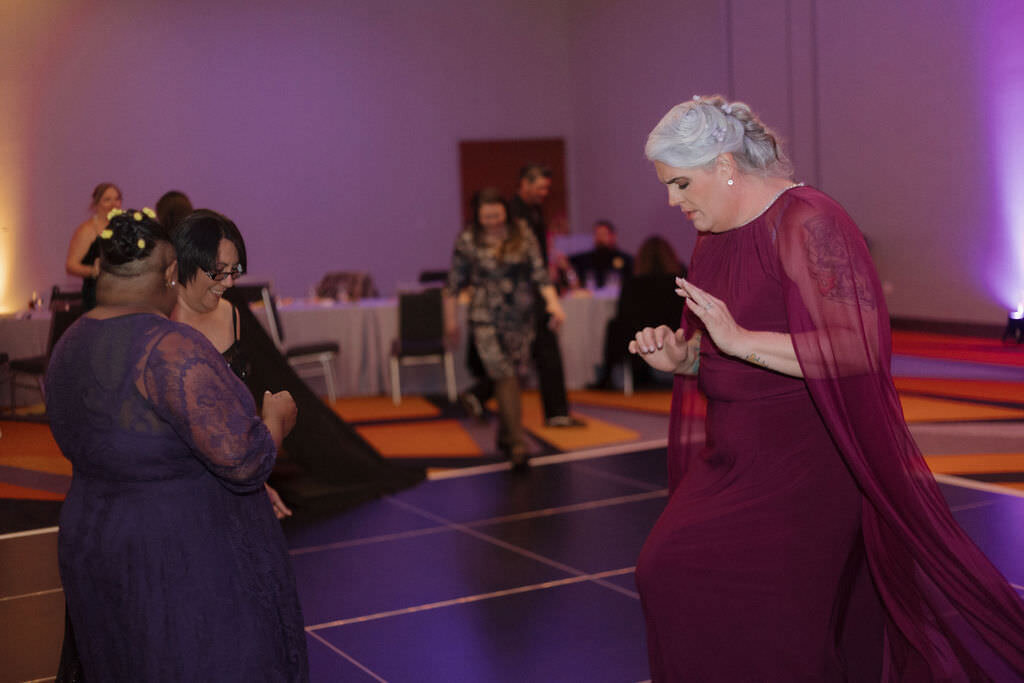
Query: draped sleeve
point(191, 387)
point(952, 615)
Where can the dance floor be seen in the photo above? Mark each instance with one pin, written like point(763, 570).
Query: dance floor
point(481, 575)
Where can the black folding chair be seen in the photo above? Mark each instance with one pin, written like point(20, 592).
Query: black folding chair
point(309, 360)
point(420, 338)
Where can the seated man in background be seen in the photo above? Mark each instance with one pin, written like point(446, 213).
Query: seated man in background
point(594, 267)
point(647, 298)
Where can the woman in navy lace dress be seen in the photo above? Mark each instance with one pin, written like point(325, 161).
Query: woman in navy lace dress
point(173, 565)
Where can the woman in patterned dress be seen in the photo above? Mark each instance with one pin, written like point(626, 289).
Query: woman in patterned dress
point(501, 262)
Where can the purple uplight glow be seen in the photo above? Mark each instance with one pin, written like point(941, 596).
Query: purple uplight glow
point(1003, 96)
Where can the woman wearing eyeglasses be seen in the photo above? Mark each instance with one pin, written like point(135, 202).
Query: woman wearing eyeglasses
point(211, 257)
point(330, 458)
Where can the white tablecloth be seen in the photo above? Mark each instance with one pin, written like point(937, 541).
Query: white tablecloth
point(365, 331)
point(24, 337)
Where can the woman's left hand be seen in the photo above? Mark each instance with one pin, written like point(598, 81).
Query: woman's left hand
point(280, 509)
point(718, 321)
point(557, 315)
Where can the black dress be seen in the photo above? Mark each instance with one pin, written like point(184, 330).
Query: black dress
point(335, 467)
point(89, 283)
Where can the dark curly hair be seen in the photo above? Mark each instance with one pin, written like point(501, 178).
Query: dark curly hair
point(129, 238)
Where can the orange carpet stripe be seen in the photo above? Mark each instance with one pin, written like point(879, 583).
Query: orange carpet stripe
point(975, 349)
point(433, 438)
point(982, 390)
point(648, 401)
point(27, 439)
point(38, 463)
point(367, 408)
point(920, 409)
point(976, 463)
point(595, 433)
point(25, 493)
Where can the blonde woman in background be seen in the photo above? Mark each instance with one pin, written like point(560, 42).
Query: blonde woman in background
point(83, 254)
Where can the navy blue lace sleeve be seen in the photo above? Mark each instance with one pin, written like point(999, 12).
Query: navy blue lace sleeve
point(193, 389)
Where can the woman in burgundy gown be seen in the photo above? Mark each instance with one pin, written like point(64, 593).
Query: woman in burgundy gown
point(173, 565)
point(804, 538)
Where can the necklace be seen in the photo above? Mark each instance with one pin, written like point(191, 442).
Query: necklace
point(767, 206)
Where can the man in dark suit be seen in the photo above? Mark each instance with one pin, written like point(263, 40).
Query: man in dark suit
point(605, 261)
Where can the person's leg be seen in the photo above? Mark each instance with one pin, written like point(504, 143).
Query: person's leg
point(547, 359)
point(474, 399)
point(612, 333)
point(510, 421)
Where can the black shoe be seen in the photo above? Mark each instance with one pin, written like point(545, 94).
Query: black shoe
point(471, 404)
point(564, 421)
point(520, 461)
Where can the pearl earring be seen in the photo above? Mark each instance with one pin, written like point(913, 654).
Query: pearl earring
point(730, 182)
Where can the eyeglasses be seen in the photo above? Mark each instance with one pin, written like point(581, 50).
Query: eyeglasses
point(218, 275)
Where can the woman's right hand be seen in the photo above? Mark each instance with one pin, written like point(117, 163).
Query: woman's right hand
point(280, 409)
point(665, 350)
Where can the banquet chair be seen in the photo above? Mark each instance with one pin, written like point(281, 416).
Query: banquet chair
point(63, 313)
point(316, 359)
point(421, 339)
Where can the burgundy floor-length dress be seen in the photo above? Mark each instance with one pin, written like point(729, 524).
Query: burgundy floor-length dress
point(173, 565)
point(804, 538)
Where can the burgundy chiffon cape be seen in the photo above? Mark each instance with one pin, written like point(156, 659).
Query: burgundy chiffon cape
point(951, 615)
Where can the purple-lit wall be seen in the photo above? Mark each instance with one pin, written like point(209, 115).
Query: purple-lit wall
point(891, 107)
point(329, 130)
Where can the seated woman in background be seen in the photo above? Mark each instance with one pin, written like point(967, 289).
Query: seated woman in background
point(646, 299)
point(339, 467)
point(83, 252)
point(172, 564)
point(172, 208)
point(501, 261)
point(211, 258)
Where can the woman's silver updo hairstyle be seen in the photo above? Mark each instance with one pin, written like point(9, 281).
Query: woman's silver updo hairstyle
point(695, 132)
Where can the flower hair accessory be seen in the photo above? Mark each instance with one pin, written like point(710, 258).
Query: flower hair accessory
point(137, 215)
point(106, 234)
point(141, 243)
point(114, 212)
point(149, 212)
